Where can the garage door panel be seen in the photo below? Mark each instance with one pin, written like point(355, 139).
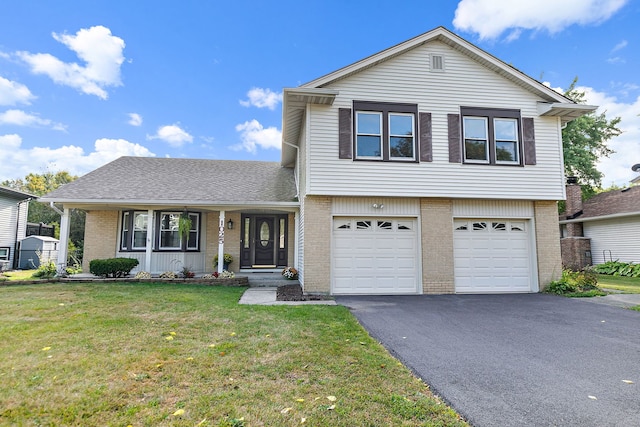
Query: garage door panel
point(492, 259)
point(378, 256)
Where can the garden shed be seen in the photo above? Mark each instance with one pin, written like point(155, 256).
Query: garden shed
point(30, 246)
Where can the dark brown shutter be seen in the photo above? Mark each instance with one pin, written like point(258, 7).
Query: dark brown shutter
point(426, 140)
point(529, 141)
point(453, 122)
point(345, 139)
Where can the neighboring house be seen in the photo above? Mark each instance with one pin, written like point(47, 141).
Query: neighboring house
point(603, 228)
point(430, 167)
point(14, 206)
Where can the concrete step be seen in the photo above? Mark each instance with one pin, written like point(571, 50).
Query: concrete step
point(267, 279)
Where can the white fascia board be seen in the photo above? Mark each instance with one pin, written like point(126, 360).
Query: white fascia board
point(599, 218)
point(566, 111)
point(117, 202)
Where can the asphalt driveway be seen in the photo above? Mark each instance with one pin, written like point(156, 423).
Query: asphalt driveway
point(515, 360)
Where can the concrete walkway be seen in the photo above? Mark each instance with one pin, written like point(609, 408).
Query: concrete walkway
point(267, 296)
point(616, 300)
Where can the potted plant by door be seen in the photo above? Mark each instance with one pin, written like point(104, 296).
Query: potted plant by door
point(228, 259)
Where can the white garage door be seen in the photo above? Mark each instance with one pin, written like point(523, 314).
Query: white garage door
point(375, 256)
point(492, 255)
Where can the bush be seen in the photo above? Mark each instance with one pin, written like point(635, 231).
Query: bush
point(617, 268)
point(46, 270)
point(112, 267)
point(575, 282)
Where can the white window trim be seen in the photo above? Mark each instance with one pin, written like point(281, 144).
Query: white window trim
point(380, 135)
point(7, 253)
point(413, 136)
point(486, 141)
point(161, 230)
point(516, 142)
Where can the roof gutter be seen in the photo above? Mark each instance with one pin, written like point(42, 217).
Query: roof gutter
point(598, 218)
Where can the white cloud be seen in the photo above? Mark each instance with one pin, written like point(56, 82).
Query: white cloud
point(262, 98)
point(135, 119)
point(617, 168)
point(20, 118)
point(616, 60)
point(253, 135)
point(172, 135)
point(491, 18)
point(12, 93)
point(101, 51)
point(619, 46)
point(18, 161)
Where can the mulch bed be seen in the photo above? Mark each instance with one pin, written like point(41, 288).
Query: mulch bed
point(294, 293)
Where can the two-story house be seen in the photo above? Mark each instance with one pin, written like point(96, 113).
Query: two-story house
point(429, 167)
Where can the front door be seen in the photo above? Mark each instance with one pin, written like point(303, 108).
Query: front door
point(264, 241)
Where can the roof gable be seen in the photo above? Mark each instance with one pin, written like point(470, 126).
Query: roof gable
point(454, 41)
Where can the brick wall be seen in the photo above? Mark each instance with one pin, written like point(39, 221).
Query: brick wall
point(548, 242)
point(574, 251)
point(317, 244)
point(100, 236)
point(437, 246)
point(573, 204)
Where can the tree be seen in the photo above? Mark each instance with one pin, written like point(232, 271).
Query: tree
point(41, 184)
point(584, 141)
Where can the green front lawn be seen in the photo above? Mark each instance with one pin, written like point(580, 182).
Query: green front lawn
point(18, 275)
point(145, 354)
point(629, 285)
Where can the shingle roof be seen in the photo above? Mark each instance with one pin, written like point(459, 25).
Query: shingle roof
point(612, 202)
point(136, 179)
point(15, 194)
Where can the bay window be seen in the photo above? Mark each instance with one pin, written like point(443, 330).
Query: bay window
point(167, 236)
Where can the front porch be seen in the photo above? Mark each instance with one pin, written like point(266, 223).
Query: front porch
point(263, 241)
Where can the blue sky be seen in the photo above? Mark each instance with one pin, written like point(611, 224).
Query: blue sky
point(82, 83)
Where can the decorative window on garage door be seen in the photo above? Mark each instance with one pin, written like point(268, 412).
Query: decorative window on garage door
point(494, 226)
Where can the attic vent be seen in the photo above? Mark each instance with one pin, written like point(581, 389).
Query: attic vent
point(437, 63)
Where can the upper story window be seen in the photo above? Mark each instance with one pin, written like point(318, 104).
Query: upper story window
point(491, 136)
point(385, 131)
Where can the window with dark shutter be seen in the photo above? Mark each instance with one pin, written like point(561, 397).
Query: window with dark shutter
point(345, 137)
point(529, 141)
point(453, 124)
point(426, 140)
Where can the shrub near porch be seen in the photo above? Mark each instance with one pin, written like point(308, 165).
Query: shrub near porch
point(165, 354)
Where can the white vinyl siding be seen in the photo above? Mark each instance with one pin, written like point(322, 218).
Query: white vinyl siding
point(9, 220)
point(406, 79)
point(618, 235)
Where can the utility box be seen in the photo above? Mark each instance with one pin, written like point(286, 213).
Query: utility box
point(32, 245)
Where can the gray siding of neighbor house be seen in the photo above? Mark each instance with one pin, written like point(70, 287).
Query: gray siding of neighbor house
point(621, 236)
point(9, 212)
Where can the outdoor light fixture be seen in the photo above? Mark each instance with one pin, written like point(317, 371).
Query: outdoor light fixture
point(230, 225)
point(377, 206)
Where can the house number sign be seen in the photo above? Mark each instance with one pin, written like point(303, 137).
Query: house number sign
point(221, 234)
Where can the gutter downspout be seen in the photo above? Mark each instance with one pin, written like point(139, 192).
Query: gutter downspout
point(295, 176)
point(15, 242)
point(55, 208)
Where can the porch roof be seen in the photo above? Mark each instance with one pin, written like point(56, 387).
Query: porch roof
point(176, 182)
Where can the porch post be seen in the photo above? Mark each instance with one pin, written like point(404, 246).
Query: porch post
point(221, 242)
point(64, 239)
point(296, 234)
point(149, 247)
